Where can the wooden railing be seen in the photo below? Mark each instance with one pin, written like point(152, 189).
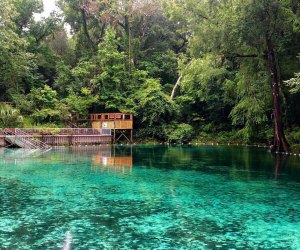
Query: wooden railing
point(67, 131)
point(111, 116)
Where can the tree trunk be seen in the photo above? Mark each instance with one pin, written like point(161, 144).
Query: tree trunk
point(85, 28)
point(176, 87)
point(280, 144)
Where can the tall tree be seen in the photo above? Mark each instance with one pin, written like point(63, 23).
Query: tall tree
point(243, 29)
point(15, 62)
point(272, 22)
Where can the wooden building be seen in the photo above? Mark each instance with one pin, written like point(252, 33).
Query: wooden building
point(121, 124)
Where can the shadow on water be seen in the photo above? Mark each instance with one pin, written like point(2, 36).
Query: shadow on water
point(236, 162)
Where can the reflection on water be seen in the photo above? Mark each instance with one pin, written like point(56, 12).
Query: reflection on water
point(113, 158)
point(149, 197)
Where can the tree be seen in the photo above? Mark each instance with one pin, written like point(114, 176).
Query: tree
point(88, 20)
point(243, 29)
point(15, 61)
point(44, 105)
point(26, 10)
point(272, 21)
point(151, 106)
point(203, 82)
point(252, 106)
point(80, 103)
point(104, 73)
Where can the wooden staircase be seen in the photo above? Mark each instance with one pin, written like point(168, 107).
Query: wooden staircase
point(22, 139)
point(70, 124)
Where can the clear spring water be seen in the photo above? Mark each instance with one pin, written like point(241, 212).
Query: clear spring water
point(149, 197)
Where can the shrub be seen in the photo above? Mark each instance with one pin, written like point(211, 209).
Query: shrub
point(293, 136)
point(10, 117)
point(181, 133)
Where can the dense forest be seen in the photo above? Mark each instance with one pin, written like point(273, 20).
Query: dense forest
point(207, 70)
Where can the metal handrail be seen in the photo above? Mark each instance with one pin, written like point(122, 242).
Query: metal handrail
point(26, 138)
point(10, 133)
point(35, 141)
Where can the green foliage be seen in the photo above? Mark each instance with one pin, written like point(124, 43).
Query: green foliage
point(64, 79)
point(151, 134)
point(253, 104)
point(222, 137)
point(151, 106)
point(80, 103)
point(294, 135)
point(105, 73)
point(10, 117)
point(43, 97)
point(203, 83)
point(181, 133)
point(162, 65)
point(26, 10)
point(49, 130)
point(203, 78)
point(43, 106)
point(264, 136)
point(112, 76)
point(30, 123)
point(236, 32)
point(15, 61)
point(128, 55)
point(294, 84)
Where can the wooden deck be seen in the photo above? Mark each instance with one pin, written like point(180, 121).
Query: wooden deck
point(67, 136)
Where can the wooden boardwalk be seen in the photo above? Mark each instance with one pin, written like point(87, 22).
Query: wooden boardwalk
point(65, 136)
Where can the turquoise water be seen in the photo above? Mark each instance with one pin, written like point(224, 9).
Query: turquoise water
point(149, 197)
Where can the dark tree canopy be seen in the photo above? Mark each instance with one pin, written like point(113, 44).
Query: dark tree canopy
point(212, 70)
